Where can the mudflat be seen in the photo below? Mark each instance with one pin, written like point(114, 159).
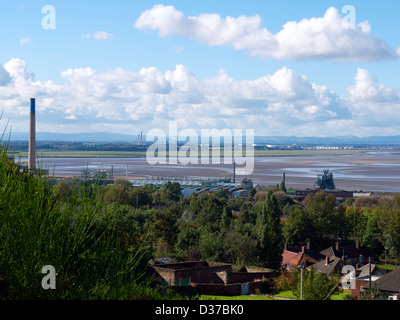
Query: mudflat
point(369, 171)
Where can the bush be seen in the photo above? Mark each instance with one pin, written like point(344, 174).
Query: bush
point(365, 201)
point(37, 229)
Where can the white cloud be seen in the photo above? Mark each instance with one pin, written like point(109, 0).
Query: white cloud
point(71, 117)
point(5, 77)
point(18, 69)
point(102, 35)
point(325, 38)
point(280, 103)
point(25, 41)
point(373, 104)
point(98, 35)
point(367, 89)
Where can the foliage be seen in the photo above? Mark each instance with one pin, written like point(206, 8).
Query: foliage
point(92, 259)
point(269, 232)
point(316, 286)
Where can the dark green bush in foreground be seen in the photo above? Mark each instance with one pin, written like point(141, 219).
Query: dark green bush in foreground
point(92, 259)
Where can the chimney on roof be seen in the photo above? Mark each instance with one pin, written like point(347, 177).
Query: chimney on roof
point(302, 249)
point(285, 246)
point(326, 260)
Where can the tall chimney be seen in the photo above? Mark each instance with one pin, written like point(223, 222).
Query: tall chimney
point(234, 171)
point(32, 138)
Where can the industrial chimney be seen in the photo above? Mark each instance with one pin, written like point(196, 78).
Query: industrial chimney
point(32, 138)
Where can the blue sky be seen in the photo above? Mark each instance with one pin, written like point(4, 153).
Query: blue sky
point(278, 67)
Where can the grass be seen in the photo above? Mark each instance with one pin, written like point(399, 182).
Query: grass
point(388, 267)
point(341, 296)
point(277, 296)
point(285, 294)
point(243, 297)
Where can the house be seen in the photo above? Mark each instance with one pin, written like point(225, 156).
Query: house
point(354, 254)
point(307, 250)
point(328, 266)
point(388, 285)
point(211, 277)
point(362, 273)
point(295, 259)
point(300, 255)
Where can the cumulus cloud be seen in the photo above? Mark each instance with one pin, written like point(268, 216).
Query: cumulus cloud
point(280, 103)
point(367, 89)
point(18, 69)
point(5, 77)
point(324, 38)
point(373, 104)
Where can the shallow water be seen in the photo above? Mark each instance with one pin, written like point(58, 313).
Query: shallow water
point(373, 171)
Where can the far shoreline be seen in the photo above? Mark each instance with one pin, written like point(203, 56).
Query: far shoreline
point(141, 154)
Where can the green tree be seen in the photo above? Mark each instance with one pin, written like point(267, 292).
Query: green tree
point(212, 246)
point(170, 192)
point(123, 182)
point(188, 237)
point(240, 249)
point(252, 193)
point(389, 223)
point(269, 232)
point(320, 208)
point(139, 197)
point(297, 227)
point(226, 219)
point(209, 217)
point(117, 194)
point(282, 187)
point(316, 286)
point(163, 225)
point(372, 235)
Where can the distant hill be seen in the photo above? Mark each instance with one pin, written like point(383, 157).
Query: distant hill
point(274, 140)
point(75, 137)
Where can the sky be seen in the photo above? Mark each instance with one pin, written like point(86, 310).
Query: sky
point(282, 68)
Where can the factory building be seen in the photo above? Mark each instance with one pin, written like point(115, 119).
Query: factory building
point(190, 185)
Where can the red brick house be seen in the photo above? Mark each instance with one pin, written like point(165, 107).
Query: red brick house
point(211, 277)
